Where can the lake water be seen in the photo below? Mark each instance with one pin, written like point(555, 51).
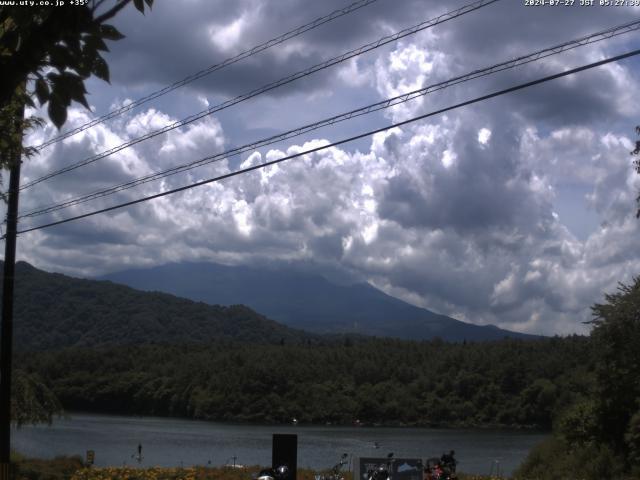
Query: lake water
point(175, 442)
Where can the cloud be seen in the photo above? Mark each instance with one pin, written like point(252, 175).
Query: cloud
point(456, 213)
point(476, 238)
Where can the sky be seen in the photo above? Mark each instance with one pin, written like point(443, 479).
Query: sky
point(517, 211)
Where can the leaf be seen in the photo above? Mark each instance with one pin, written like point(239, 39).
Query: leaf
point(84, 66)
point(59, 57)
point(149, 3)
point(77, 91)
point(60, 91)
point(42, 91)
point(95, 42)
point(101, 69)
point(110, 32)
point(139, 4)
point(57, 112)
point(80, 98)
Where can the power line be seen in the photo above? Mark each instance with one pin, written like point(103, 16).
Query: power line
point(625, 28)
point(271, 86)
point(202, 73)
point(354, 113)
point(340, 142)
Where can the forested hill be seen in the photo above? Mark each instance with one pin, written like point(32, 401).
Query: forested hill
point(376, 381)
point(56, 311)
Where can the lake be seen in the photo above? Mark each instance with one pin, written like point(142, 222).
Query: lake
point(175, 442)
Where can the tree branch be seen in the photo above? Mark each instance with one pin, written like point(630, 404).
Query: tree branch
point(113, 12)
point(96, 5)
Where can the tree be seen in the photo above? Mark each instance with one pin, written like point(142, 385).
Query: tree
point(636, 164)
point(599, 435)
point(50, 52)
point(616, 337)
point(32, 401)
point(632, 438)
point(47, 52)
point(578, 425)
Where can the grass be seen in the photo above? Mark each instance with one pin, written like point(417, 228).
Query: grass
point(59, 468)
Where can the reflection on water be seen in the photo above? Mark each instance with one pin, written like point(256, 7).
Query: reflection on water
point(175, 442)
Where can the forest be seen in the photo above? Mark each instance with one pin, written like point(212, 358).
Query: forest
point(374, 381)
point(54, 311)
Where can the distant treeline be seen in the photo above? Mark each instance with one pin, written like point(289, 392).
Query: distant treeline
point(376, 381)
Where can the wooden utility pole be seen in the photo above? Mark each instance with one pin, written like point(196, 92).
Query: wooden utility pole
point(6, 329)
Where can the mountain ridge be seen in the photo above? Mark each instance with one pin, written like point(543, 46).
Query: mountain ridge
point(53, 311)
point(306, 301)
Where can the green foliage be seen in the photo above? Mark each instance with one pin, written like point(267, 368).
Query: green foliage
point(554, 459)
point(578, 426)
point(31, 400)
point(539, 399)
point(53, 51)
point(632, 440)
point(376, 381)
point(598, 436)
point(636, 164)
point(59, 468)
point(55, 311)
point(59, 47)
point(616, 337)
point(12, 126)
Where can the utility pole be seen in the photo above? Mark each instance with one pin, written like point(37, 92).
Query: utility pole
point(6, 329)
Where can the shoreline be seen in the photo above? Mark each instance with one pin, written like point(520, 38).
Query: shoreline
point(173, 442)
point(388, 425)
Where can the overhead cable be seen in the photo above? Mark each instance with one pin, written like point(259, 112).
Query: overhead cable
point(213, 68)
point(266, 88)
point(340, 142)
point(522, 60)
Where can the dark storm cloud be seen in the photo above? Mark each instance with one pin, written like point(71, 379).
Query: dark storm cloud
point(508, 28)
point(483, 189)
point(171, 43)
point(97, 235)
point(580, 100)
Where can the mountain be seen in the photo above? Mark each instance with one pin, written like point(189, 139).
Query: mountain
point(306, 301)
point(54, 311)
